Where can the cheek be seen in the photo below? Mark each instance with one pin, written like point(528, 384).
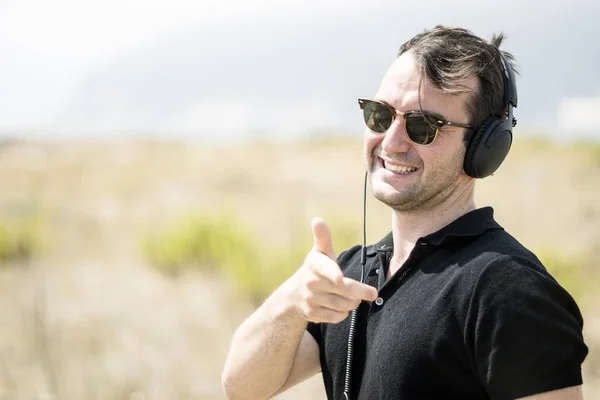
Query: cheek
point(442, 161)
point(370, 142)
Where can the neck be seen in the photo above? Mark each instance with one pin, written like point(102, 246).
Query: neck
point(409, 226)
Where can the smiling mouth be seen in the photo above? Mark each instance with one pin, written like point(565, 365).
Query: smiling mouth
point(398, 169)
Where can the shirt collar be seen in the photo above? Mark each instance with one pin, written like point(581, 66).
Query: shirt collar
point(471, 224)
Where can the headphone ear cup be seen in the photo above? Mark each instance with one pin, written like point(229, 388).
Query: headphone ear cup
point(488, 147)
point(473, 145)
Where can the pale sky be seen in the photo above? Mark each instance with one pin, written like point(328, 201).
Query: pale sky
point(91, 30)
point(67, 39)
point(48, 49)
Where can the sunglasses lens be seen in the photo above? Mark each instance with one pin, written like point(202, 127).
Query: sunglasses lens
point(377, 117)
point(420, 129)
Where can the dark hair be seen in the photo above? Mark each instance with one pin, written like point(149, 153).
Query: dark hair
point(447, 56)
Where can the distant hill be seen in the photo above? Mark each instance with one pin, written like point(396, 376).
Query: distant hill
point(279, 75)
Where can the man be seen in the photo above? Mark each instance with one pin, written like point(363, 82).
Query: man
point(452, 305)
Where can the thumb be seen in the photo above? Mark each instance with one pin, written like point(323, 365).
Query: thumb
point(322, 238)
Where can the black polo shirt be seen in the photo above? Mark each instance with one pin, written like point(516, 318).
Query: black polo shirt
point(471, 314)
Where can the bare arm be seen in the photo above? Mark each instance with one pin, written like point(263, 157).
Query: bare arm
point(570, 393)
point(266, 347)
point(271, 351)
point(306, 363)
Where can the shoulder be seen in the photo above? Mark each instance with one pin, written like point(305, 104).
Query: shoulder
point(507, 278)
point(350, 258)
point(348, 255)
point(503, 267)
point(498, 246)
point(488, 259)
point(501, 261)
point(516, 289)
point(517, 308)
point(496, 259)
point(502, 278)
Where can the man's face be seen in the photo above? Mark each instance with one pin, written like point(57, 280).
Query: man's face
point(407, 176)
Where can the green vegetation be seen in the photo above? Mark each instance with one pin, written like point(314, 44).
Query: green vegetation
point(221, 242)
point(20, 237)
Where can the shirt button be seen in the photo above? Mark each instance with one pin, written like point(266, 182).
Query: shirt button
point(377, 271)
point(379, 301)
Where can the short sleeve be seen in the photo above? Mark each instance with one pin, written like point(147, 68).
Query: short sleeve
point(315, 330)
point(524, 330)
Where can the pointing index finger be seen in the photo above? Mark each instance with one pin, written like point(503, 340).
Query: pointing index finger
point(357, 290)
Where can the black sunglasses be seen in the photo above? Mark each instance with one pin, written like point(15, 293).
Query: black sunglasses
point(422, 128)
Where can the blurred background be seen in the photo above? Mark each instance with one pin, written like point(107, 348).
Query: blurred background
point(160, 163)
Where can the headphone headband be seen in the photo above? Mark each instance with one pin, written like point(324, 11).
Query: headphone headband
point(510, 86)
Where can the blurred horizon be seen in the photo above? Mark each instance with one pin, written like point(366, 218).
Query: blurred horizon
point(233, 71)
point(126, 266)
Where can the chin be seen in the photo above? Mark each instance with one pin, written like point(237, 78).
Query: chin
point(392, 197)
point(410, 197)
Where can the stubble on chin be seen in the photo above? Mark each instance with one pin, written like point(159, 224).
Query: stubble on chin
point(398, 201)
point(420, 196)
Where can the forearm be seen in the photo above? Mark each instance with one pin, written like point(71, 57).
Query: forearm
point(265, 355)
point(263, 349)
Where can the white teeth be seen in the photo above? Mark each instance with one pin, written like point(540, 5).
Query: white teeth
point(399, 168)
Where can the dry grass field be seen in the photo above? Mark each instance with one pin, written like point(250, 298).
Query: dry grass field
point(88, 318)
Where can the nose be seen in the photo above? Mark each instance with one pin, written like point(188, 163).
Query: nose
point(396, 139)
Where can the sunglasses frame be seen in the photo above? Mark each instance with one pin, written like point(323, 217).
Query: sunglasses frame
point(439, 122)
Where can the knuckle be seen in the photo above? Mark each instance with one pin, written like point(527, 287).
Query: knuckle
point(312, 281)
point(344, 304)
point(310, 299)
point(310, 314)
point(332, 303)
point(305, 297)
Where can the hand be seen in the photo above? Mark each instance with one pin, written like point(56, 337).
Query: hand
point(321, 292)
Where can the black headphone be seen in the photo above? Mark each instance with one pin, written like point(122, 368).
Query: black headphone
point(491, 142)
